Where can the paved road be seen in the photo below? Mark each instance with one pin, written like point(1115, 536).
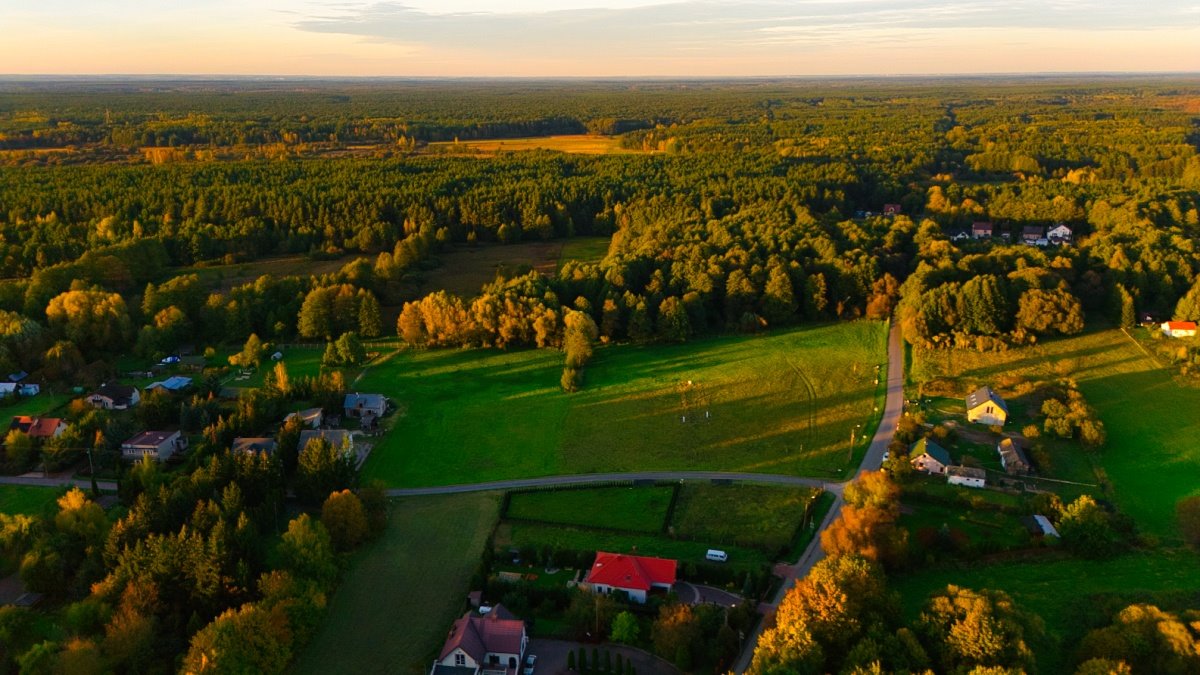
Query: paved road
point(893, 407)
point(38, 481)
point(593, 478)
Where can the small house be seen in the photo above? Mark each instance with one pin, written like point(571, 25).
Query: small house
point(966, 476)
point(157, 444)
point(1013, 458)
point(959, 235)
point(1044, 526)
point(364, 405)
point(338, 438)
point(929, 457)
point(982, 229)
point(311, 417)
point(1031, 234)
point(38, 427)
point(986, 407)
point(113, 396)
point(1179, 329)
point(493, 643)
point(1059, 234)
point(631, 574)
point(891, 209)
point(253, 446)
point(29, 389)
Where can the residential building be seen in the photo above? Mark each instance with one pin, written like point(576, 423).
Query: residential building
point(488, 644)
point(1179, 329)
point(157, 444)
point(1030, 234)
point(891, 209)
point(982, 229)
point(312, 417)
point(253, 446)
point(986, 407)
point(363, 405)
point(929, 457)
point(1013, 458)
point(338, 438)
point(172, 384)
point(966, 476)
point(113, 396)
point(1059, 234)
point(39, 427)
point(635, 575)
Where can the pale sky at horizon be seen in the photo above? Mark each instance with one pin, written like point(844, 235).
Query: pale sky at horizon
point(596, 38)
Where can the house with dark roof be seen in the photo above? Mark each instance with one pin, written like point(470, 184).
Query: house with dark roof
point(1034, 235)
point(38, 427)
point(982, 229)
point(1013, 458)
point(632, 574)
point(113, 396)
point(253, 446)
point(365, 405)
point(492, 643)
point(157, 444)
point(338, 438)
point(986, 407)
point(966, 476)
point(929, 457)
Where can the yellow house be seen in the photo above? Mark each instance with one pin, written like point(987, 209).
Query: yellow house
point(986, 407)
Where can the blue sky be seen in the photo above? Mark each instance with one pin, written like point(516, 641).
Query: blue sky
point(598, 37)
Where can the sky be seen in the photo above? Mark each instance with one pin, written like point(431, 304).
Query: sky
point(597, 38)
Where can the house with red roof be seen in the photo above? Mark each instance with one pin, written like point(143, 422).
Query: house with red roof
point(1178, 329)
point(39, 427)
point(491, 644)
point(635, 575)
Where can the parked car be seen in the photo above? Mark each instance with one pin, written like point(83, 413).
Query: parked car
point(530, 662)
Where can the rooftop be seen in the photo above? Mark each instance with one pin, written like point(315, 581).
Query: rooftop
point(631, 571)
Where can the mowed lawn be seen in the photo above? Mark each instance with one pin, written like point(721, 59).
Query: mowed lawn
point(396, 602)
point(26, 500)
point(1152, 457)
point(746, 515)
point(782, 402)
point(640, 509)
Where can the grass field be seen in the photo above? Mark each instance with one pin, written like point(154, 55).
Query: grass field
point(42, 404)
point(225, 277)
point(21, 499)
point(744, 515)
point(401, 594)
point(300, 362)
point(1152, 458)
point(576, 144)
point(783, 402)
point(584, 249)
point(637, 509)
point(465, 269)
point(1062, 590)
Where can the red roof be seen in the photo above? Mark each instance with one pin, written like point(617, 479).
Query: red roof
point(498, 632)
point(44, 427)
point(1181, 325)
point(631, 571)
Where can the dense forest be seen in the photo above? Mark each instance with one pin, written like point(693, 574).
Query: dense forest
point(741, 206)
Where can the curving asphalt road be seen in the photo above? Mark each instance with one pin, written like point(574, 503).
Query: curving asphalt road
point(893, 407)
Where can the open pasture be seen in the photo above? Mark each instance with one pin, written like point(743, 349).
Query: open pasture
point(640, 509)
point(784, 402)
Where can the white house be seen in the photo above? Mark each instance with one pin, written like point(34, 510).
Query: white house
point(1179, 329)
point(966, 476)
point(113, 396)
point(1060, 233)
point(157, 444)
point(634, 575)
point(928, 456)
point(491, 644)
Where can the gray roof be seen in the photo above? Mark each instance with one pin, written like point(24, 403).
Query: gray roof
point(357, 400)
point(982, 395)
point(1013, 456)
point(934, 450)
point(249, 445)
point(966, 472)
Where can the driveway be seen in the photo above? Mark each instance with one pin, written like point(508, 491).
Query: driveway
point(699, 594)
point(552, 657)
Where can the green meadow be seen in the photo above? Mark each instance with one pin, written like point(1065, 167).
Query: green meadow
point(784, 402)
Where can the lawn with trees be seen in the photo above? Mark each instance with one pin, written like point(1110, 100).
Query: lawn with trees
point(469, 416)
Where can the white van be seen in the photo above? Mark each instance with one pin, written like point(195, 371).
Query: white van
point(716, 556)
